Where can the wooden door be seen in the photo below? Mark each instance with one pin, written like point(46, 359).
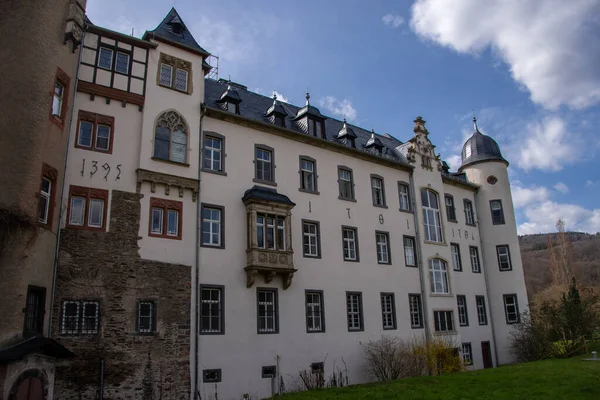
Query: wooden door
point(30, 388)
point(486, 352)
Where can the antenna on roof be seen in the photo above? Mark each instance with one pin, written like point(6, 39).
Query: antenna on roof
point(132, 32)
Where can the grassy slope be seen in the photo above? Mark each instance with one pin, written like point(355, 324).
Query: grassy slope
point(551, 379)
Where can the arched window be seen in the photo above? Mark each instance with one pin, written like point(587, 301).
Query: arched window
point(438, 276)
point(170, 137)
point(431, 216)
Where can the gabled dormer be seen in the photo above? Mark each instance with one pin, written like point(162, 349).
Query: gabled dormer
point(374, 144)
point(347, 136)
point(276, 113)
point(230, 100)
point(310, 120)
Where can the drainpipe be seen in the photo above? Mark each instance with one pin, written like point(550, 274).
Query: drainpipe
point(487, 283)
point(197, 394)
point(419, 256)
point(62, 212)
point(101, 396)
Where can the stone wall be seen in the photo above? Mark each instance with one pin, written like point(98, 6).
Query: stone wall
point(106, 266)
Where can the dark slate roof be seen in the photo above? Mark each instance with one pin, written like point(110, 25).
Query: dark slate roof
point(276, 108)
point(230, 94)
point(166, 30)
point(254, 106)
point(373, 141)
point(35, 344)
point(346, 131)
point(478, 148)
point(265, 194)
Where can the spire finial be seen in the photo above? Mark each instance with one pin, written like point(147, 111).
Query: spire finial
point(229, 83)
point(307, 97)
point(274, 94)
point(475, 122)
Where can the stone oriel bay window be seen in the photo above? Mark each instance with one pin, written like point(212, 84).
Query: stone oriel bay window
point(165, 218)
point(87, 208)
point(269, 229)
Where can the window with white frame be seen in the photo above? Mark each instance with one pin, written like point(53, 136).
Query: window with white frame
point(382, 240)
point(346, 184)
point(263, 165)
point(87, 208)
point(57, 99)
point(503, 253)
point(212, 226)
point(165, 218)
point(443, 321)
point(497, 212)
point(213, 153)
point(511, 309)
point(475, 264)
point(431, 216)
point(211, 309)
point(350, 244)
point(438, 276)
point(467, 354)
point(463, 313)
point(308, 177)
point(105, 58)
point(377, 191)
point(146, 317)
point(45, 200)
point(450, 209)
point(270, 231)
point(354, 311)
point(315, 319)
point(267, 311)
point(388, 311)
point(122, 63)
point(469, 216)
point(416, 311)
point(166, 74)
point(456, 260)
point(481, 310)
point(80, 317)
point(310, 239)
point(404, 195)
point(409, 252)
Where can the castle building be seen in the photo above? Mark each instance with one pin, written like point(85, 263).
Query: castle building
point(215, 242)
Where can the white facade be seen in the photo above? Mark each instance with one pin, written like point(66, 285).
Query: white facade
point(236, 347)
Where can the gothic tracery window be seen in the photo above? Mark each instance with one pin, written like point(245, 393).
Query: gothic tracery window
point(170, 137)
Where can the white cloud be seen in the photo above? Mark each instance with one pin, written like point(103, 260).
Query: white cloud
point(341, 108)
point(280, 97)
point(548, 45)
point(590, 183)
point(454, 161)
point(393, 20)
point(561, 187)
point(526, 196)
point(547, 146)
point(542, 217)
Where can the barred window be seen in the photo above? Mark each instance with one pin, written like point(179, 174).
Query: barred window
point(268, 320)
point(354, 311)
point(416, 311)
point(315, 321)
point(475, 264)
point(511, 309)
point(503, 258)
point(146, 317)
point(388, 311)
point(80, 317)
point(481, 310)
point(444, 321)
point(211, 310)
point(463, 314)
point(467, 354)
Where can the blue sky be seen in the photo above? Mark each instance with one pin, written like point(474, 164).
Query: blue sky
point(529, 69)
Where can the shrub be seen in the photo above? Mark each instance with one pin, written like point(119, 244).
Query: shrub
point(530, 340)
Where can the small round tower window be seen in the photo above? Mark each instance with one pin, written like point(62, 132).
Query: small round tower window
point(492, 180)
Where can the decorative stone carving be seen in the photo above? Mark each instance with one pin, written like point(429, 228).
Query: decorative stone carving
point(153, 177)
point(74, 26)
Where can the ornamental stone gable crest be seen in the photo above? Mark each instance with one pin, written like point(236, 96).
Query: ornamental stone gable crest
point(421, 149)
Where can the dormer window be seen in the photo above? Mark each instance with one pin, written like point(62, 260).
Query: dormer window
point(280, 120)
point(315, 128)
point(232, 107)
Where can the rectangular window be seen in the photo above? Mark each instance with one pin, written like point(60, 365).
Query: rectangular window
point(87, 208)
point(497, 212)
point(181, 80)
point(416, 311)
point(45, 200)
point(212, 226)
point(503, 253)
point(212, 309)
point(232, 107)
point(146, 317)
point(315, 317)
point(444, 321)
point(311, 239)
point(456, 260)
point(94, 132)
point(57, 99)
point(469, 216)
point(269, 371)
point(481, 311)
point(166, 75)
point(431, 216)
point(404, 195)
point(511, 309)
point(165, 218)
point(308, 174)
point(350, 243)
point(213, 154)
point(122, 63)
point(34, 311)
point(388, 311)
point(475, 264)
point(268, 321)
point(80, 317)
point(263, 165)
point(382, 240)
point(438, 275)
point(105, 58)
point(346, 184)
point(463, 313)
point(270, 232)
point(377, 191)
point(409, 252)
point(450, 209)
point(211, 375)
point(354, 311)
point(467, 354)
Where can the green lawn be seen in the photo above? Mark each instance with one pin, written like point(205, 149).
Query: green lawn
point(552, 379)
